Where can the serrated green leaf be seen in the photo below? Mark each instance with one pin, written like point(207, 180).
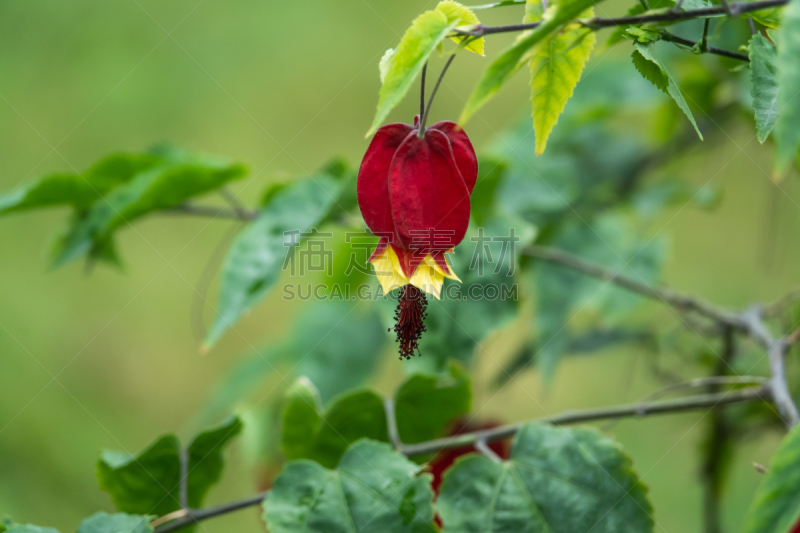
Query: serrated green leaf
point(425, 33)
point(176, 178)
point(776, 505)
point(425, 404)
point(310, 433)
point(456, 12)
point(256, 258)
point(556, 67)
point(763, 85)
point(557, 479)
point(149, 483)
point(373, 490)
point(650, 71)
point(78, 190)
point(515, 56)
point(787, 128)
point(672, 89)
point(116, 523)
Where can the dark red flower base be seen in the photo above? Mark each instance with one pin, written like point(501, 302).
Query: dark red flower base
point(409, 320)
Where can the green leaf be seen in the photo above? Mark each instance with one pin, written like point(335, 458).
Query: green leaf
point(386, 60)
point(149, 483)
point(115, 523)
point(206, 461)
point(176, 178)
point(776, 506)
point(771, 18)
point(556, 67)
point(425, 33)
point(425, 404)
point(514, 57)
point(650, 71)
point(763, 85)
point(649, 66)
point(456, 12)
point(256, 258)
point(787, 129)
point(557, 479)
point(78, 190)
point(146, 483)
point(309, 433)
point(372, 490)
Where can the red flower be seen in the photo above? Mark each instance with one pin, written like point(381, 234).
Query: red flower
point(414, 192)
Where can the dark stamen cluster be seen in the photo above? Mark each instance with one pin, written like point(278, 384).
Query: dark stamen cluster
point(409, 320)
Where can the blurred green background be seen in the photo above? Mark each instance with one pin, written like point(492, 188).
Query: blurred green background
point(111, 360)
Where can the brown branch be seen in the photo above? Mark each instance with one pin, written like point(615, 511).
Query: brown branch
point(667, 36)
point(661, 15)
point(678, 301)
point(776, 351)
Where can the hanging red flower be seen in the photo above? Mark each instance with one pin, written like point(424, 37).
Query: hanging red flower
point(414, 193)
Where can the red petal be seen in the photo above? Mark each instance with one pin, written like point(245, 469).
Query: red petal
point(462, 151)
point(409, 259)
point(429, 199)
point(373, 178)
point(381, 246)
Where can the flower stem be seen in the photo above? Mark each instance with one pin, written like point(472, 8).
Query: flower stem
point(422, 91)
point(424, 118)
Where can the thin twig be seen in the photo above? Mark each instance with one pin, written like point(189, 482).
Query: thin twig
point(424, 119)
point(776, 351)
point(422, 90)
point(681, 302)
point(691, 403)
point(710, 49)
point(391, 423)
point(734, 8)
point(198, 515)
point(484, 448)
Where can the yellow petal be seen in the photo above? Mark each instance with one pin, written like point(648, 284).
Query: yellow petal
point(388, 271)
point(428, 278)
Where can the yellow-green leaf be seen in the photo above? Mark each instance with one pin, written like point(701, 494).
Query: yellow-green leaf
point(425, 33)
point(787, 129)
point(456, 12)
point(386, 60)
point(515, 56)
point(556, 67)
